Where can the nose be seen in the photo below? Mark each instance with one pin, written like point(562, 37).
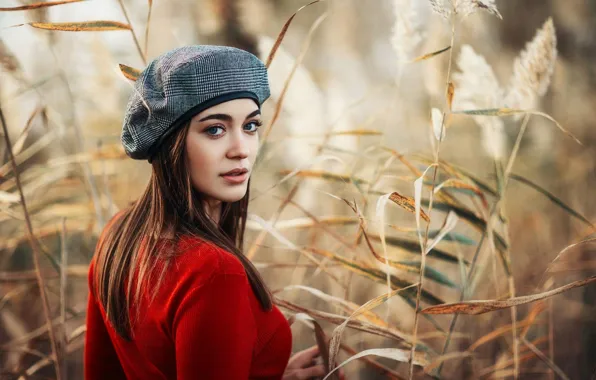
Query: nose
point(239, 146)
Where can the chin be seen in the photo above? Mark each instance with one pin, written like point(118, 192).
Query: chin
point(233, 195)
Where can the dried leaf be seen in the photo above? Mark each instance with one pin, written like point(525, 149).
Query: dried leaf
point(348, 306)
point(307, 222)
point(448, 226)
point(335, 342)
point(413, 247)
point(437, 118)
point(129, 72)
point(387, 332)
point(408, 204)
point(376, 275)
point(426, 56)
point(511, 111)
point(420, 358)
point(380, 211)
point(498, 332)
point(37, 5)
point(485, 306)
point(450, 94)
point(326, 175)
point(453, 183)
point(86, 26)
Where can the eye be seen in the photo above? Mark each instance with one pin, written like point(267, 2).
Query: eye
point(254, 124)
point(212, 131)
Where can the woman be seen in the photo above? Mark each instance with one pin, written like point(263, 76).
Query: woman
point(171, 294)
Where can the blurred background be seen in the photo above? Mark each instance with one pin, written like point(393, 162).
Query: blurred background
point(350, 120)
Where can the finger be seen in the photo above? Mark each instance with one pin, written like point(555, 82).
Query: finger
point(305, 356)
point(307, 373)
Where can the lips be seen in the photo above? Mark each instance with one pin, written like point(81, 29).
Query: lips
point(238, 171)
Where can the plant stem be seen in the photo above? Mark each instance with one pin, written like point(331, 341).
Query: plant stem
point(34, 247)
point(430, 202)
point(134, 36)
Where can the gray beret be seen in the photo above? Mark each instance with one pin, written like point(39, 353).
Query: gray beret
point(183, 82)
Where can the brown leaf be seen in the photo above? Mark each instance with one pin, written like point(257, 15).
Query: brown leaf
point(37, 5)
point(85, 26)
point(129, 72)
point(407, 203)
point(485, 306)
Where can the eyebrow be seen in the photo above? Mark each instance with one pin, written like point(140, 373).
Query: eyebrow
point(226, 117)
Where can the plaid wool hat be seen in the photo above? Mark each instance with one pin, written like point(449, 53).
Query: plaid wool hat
point(183, 82)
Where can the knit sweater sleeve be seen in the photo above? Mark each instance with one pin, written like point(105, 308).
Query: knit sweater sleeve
point(214, 329)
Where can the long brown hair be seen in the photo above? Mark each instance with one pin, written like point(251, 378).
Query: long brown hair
point(127, 254)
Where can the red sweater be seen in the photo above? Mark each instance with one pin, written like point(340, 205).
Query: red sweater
point(205, 323)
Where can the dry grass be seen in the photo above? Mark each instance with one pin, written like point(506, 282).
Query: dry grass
point(378, 242)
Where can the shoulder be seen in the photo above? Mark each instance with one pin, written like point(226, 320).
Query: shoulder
point(201, 260)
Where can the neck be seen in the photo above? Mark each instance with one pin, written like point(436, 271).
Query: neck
point(213, 210)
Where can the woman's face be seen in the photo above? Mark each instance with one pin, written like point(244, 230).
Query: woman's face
point(220, 139)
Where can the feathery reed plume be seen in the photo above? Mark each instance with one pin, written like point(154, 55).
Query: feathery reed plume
point(407, 32)
point(446, 8)
point(442, 9)
point(466, 7)
point(477, 88)
point(533, 69)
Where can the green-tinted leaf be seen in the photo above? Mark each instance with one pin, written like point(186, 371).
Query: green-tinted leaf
point(414, 247)
point(553, 198)
point(432, 274)
point(379, 276)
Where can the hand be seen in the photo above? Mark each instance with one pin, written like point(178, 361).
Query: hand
point(304, 365)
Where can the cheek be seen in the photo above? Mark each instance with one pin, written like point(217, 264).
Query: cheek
point(199, 161)
point(254, 147)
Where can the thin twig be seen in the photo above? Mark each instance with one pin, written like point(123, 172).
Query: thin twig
point(63, 278)
point(551, 339)
point(430, 205)
point(545, 359)
point(34, 247)
point(132, 31)
point(511, 279)
point(147, 27)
